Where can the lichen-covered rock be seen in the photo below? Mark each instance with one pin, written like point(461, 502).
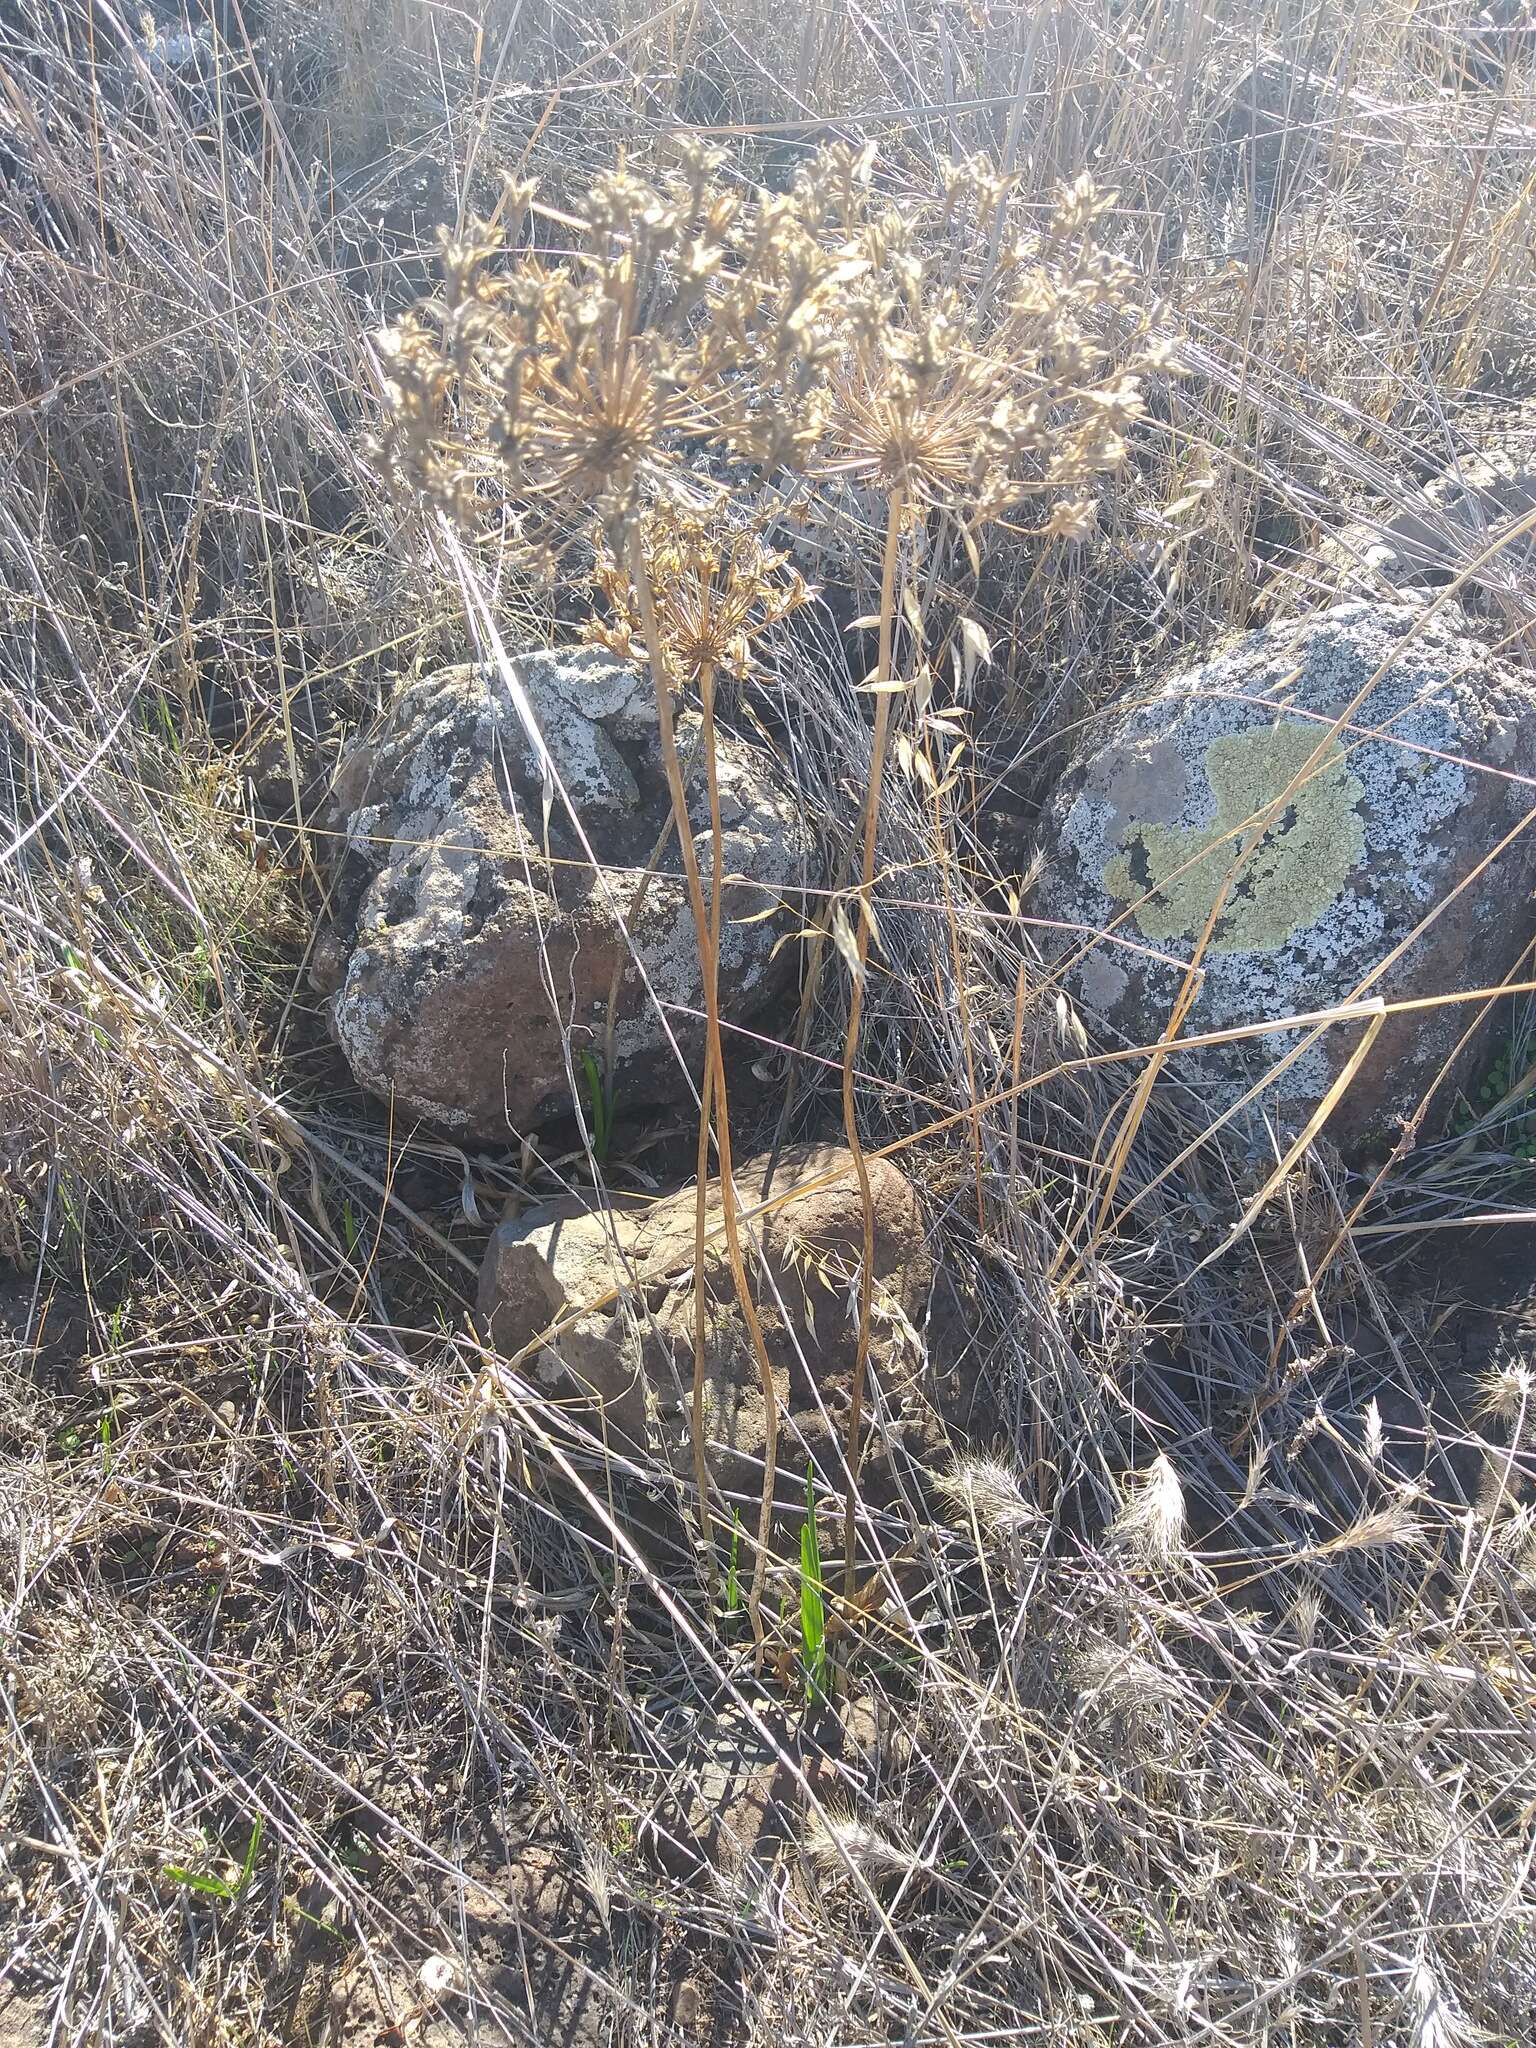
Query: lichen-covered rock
point(473, 944)
point(1400, 809)
point(618, 1283)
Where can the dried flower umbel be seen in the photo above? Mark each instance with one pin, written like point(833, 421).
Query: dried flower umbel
point(700, 337)
point(718, 588)
point(700, 340)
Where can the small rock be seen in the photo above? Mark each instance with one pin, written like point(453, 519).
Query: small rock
point(1383, 832)
point(438, 1976)
point(478, 947)
point(1436, 532)
point(627, 1364)
point(746, 1780)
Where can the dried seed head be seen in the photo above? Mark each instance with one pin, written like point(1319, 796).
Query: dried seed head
point(839, 1846)
point(1152, 1521)
point(717, 587)
point(1436, 2019)
point(1303, 1616)
point(1505, 1394)
point(1131, 1698)
point(1514, 1539)
point(988, 1491)
point(1375, 1432)
point(1392, 1527)
point(819, 332)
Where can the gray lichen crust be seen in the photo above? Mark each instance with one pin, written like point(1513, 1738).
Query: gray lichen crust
point(1154, 828)
point(475, 942)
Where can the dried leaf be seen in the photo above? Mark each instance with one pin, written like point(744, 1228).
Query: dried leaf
point(971, 652)
point(846, 944)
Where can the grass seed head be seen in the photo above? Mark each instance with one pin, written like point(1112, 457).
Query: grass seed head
point(840, 1846)
point(1151, 1523)
point(988, 1490)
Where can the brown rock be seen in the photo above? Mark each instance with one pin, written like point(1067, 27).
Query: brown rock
point(475, 944)
point(624, 1359)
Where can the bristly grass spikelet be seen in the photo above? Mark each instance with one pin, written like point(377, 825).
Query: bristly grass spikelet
point(842, 1847)
point(1151, 1523)
point(988, 1491)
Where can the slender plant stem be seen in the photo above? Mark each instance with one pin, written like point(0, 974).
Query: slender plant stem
point(701, 1312)
point(884, 664)
point(944, 861)
point(640, 577)
point(710, 961)
point(631, 918)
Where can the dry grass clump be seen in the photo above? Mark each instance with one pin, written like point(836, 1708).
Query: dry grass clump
point(345, 1683)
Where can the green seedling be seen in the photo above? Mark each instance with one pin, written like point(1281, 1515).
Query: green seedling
point(599, 1106)
point(813, 1609)
point(733, 1568)
point(1519, 1124)
point(78, 1436)
point(220, 1887)
point(201, 982)
point(321, 1927)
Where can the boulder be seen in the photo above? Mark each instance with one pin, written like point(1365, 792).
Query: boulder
point(1476, 46)
point(473, 945)
point(1261, 138)
point(625, 1367)
point(1401, 808)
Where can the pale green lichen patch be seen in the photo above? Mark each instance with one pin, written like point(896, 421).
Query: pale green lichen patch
point(1299, 868)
